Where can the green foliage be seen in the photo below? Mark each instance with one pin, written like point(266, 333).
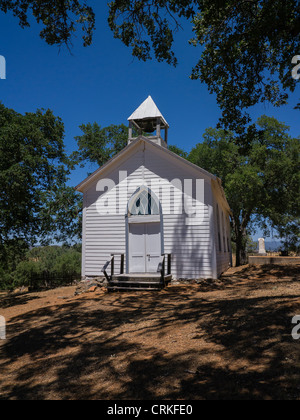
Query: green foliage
point(6, 279)
point(12, 252)
point(59, 18)
point(143, 25)
point(251, 245)
point(246, 46)
point(289, 232)
point(98, 145)
point(52, 265)
point(35, 203)
point(286, 214)
point(69, 264)
point(260, 183)
point(248, 243)
point(178, 151)
point(27, 273)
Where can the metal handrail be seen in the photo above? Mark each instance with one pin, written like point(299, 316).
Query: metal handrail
point(169, 266)
point(111, 263)
point(162, 266)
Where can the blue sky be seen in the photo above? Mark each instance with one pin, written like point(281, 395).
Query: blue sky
point(103, 83)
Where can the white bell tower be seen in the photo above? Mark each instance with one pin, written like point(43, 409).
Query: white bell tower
point(148, 119)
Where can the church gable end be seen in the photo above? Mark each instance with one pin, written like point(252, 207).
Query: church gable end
point(154, 209)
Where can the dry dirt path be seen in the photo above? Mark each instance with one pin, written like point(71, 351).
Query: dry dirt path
point(229, 339)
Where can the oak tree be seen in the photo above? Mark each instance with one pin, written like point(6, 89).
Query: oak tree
point(36, 204)
point(262, 186)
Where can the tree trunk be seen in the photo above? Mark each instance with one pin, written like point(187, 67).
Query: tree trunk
point(241, 254)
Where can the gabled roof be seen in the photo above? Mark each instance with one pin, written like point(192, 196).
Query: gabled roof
point(147, 110)
point(81, 187)
point(126, 149)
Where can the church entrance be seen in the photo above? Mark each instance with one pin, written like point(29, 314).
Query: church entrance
point(145, 232)
point(144, 247)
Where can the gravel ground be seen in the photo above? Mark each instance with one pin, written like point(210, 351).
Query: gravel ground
point(227, 339)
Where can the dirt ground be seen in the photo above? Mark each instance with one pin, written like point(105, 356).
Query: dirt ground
point(229, 339)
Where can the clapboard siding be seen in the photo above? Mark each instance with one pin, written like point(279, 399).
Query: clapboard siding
point(193, 248)
point(106, 234)
point(190, 246)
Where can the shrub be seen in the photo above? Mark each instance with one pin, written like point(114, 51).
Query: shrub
point(68, 264)
point(44, 266)
point(27, 274)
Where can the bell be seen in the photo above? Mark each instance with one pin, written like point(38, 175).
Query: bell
point(148, 126)
point(148, 119)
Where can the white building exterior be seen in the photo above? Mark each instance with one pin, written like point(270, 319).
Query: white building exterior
point(147, 201)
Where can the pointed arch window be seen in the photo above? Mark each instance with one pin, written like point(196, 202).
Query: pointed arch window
point(143, 203)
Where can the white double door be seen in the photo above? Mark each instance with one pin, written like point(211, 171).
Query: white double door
point(144, 247)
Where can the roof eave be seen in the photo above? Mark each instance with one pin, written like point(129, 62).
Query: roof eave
point(82, 186)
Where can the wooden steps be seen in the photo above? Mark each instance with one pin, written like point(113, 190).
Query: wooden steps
point(138, 282)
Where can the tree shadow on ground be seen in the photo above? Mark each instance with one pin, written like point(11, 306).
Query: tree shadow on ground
point(256, 277)
point(10, 300)
point(126, 346)
point(263, 271)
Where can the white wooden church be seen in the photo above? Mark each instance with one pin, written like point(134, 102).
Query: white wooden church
point(150, 215)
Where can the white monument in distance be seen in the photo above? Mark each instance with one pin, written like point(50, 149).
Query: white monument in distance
point(262, 247)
